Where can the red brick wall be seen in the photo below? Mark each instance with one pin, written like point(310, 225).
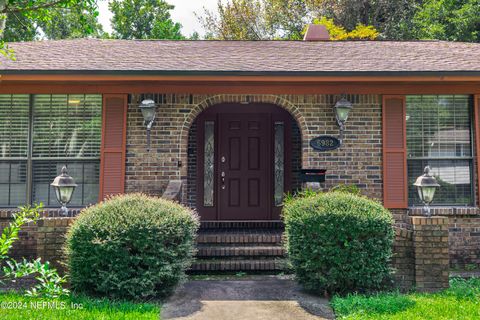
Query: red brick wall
point(30, 235)
point(51, 240)
point(464, 242)
point(403, 260)
point(430, 248)
point(358, 161)
point(463, 229)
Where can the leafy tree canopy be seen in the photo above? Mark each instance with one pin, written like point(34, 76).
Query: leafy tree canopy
point(143, 19)
point(27, 19)
point(286, 19)
point(65, 23)
point(339, 33)
point(453, 20)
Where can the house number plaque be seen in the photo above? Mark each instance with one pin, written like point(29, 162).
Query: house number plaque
point(325, 143)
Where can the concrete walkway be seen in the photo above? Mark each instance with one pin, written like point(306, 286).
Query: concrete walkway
point(264, 298)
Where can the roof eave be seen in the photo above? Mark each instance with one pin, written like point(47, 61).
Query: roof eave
point(457, 73)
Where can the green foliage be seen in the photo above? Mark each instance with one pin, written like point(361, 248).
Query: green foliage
point(460, 301)
point(10, 233)
point(143, 19)
point(68, 23)
point(49, 282)
point(237, 20)
point(131, 246)
point(348, 188)
point(26, 17)
point(451, 20)
point(339, 33)
point(65, 23)
point(338, 242)
point(286, 19)
point(370, 19)
point(392, 19)
point(304, 193)
point(75, 307)
point(19, 28)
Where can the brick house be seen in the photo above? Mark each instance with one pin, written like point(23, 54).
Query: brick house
point(234, 124)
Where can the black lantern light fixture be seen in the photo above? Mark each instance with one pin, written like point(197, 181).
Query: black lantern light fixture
point(148, 111)
point(64, 186)
point(426, 186)
point(342, 109)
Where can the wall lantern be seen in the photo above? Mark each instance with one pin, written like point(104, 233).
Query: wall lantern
point(64, 185)
point(342, 109)
point(426, 185)
point(148, 111)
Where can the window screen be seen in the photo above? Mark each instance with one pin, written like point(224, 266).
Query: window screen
point(439, 135)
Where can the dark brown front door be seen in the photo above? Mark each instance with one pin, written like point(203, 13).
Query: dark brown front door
point(238, 161)
point(244, 145)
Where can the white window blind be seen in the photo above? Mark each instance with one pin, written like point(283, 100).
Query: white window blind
point(66, 126)
point(14, 119)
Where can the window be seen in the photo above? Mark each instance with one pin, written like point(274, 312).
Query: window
point(41, 133)
point(439, 135)
point(279, 162)
point(209, 167)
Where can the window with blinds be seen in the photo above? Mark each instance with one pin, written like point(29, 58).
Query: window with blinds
point(41, 133)
point(14, 132)
point(439, 134)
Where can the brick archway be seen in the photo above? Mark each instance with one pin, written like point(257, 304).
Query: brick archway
point(229, 98)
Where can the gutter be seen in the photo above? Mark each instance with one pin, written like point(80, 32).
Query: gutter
point(464, 73)
point(224, 77)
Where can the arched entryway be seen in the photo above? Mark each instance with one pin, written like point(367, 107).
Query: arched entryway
point(242, 159)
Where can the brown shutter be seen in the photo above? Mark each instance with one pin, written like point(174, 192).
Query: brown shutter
point(112, 163)
point(395, 180)
point(476, 112)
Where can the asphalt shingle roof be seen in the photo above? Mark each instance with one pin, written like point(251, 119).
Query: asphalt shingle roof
point(243, 56)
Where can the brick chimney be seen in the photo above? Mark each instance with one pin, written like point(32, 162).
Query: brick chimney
point(316, 32)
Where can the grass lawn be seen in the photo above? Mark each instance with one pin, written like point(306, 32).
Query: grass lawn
point(15, 306)
point(461, 301)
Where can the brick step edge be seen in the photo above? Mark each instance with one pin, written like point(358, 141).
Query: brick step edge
point(239, 238)
point(249, 251)
point(273, 224)
point(239, 265)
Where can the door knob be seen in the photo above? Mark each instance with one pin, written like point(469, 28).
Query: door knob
point(223, 159)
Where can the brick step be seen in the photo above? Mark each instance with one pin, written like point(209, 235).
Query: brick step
point(239, 265)
point(254, 224)
point(239, 251)
point(235, 236)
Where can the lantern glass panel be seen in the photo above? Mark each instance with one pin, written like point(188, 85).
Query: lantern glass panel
point(420, 193)
point(64, 194)
point(148, 113)
point(428, 194)
point(342, 113)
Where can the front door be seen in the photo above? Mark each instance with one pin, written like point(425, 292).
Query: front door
point(243, 161)
point(244, 154)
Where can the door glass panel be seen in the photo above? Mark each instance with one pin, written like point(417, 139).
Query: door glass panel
point(279, 163)
point(208, 169)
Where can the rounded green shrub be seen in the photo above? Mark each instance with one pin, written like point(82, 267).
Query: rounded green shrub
point(131, 247)
point(338, 242)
